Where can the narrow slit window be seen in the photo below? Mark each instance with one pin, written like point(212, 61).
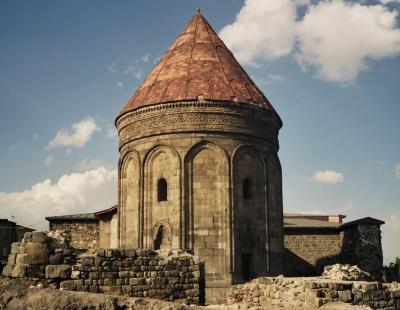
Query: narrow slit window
point(247, 189)
point(162, 190)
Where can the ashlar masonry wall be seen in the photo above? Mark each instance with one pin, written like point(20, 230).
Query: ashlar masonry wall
point(307, 252)
point(139, 273)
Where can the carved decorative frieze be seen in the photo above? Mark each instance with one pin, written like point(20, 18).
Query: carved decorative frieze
point(198, 116)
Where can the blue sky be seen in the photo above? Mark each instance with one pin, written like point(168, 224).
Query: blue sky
point(330, 68)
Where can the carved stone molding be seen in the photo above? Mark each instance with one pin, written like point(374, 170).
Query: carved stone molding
point(198, 117)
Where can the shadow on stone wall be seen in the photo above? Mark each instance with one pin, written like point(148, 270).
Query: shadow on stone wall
point(295, 266)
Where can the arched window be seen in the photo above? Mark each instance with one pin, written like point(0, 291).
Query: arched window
point(162, 190)
point(247, 189)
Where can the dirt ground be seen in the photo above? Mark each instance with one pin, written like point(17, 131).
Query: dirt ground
point(19, 294)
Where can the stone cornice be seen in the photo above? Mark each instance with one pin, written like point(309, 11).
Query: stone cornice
point(198, 117)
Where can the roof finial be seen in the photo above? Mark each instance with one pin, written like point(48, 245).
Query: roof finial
point(198, 10)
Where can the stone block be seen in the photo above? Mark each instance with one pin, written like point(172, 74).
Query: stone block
point(68, 285)
point(130, 252)
point(28, 237)
point(35, 247)
point(88, 261)
point(19, 270)
point(108, 253)
point(56, 259)
point(345, 296)
point(16, 248)
point(358, 296)
point(38, 236)
point(100, 252)
point(58, 271)
point(75, 274)
point(94, 288)
point(12, 259)
point(37, 258)
point(7, 270)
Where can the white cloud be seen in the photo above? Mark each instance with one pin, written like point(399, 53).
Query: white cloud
point(145, 58)
point(78, 136)
point(397, 171)
point(389, 1)
point(130, 67)
point(89, 191)
point(270, 78)
point(360, 33)
point(120, 84)
point(263, 29)
point(49, 160)
point(112, 133)
point(337, 38)
point(328, 176)
point(35, 136)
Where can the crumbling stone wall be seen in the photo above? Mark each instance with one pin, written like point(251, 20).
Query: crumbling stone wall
point(35, 254)
point(130, 272)
point(139, 273)
point(83, 234)
point(314, 292)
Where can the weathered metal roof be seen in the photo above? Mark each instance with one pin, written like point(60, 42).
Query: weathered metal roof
point(302, 223)
point(308, 223)
point(198, 65)
point(83, 216)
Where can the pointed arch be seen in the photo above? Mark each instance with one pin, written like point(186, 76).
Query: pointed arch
point(162, 192)
point(275, 212)
point(249, 211)
point(129, 200)
point(207, 205)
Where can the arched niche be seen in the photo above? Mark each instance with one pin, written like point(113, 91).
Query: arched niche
point(162, 164)
point(249, 213)
point(129, 206)
point(207, 206)
point(162, 236)
point(275, 212)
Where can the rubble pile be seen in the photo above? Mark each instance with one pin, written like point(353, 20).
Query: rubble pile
point(315, 292)
point(36, 257)
point(346, 273)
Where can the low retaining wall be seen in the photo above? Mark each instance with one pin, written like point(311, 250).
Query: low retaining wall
point(129, 272)
point(314, 292)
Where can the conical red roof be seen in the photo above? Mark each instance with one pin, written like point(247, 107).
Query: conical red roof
point(197, 64)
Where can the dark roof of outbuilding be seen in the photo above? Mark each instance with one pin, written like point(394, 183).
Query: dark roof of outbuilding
point(83, 216)
point(108, 211)
point(308, 223)
point(301, 223)
point(363, 221)
point(198, 64)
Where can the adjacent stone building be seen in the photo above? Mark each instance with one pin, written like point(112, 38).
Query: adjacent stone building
point(88, 230)
point(314, 241)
